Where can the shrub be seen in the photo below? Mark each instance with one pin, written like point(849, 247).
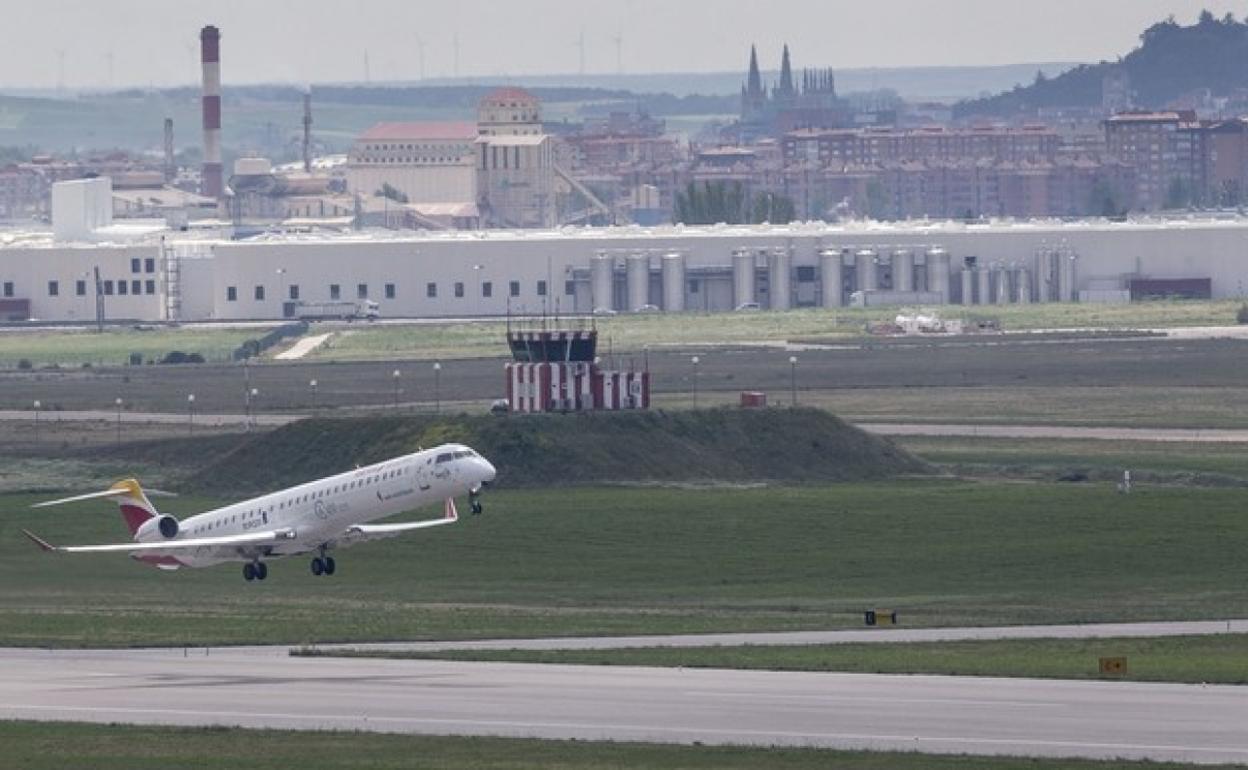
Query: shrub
point(1242, 316)
point(25, 364)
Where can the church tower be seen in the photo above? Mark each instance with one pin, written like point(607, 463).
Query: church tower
point(753, 95)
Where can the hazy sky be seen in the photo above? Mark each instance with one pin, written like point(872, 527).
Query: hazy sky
point(98, 43)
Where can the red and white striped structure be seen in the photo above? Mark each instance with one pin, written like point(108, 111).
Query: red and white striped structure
point(213, 182)
point(574, 386)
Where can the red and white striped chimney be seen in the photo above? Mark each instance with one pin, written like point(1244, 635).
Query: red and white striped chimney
point(213, 184)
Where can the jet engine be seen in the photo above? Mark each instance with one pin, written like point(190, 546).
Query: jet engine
point(163, 527)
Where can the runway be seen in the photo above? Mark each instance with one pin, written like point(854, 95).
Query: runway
point(247, 688)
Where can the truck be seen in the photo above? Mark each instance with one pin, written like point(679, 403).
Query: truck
point(346, 310)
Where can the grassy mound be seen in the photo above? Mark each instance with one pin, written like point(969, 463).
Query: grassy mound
point(721, 445)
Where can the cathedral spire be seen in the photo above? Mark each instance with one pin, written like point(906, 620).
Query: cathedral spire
point(786, 74)
point(754, 85)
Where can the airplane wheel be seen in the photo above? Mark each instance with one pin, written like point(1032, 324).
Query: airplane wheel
point(318, 566)
point(477, 508)
point(262, 570)
point(249, 572)
point(330, 566)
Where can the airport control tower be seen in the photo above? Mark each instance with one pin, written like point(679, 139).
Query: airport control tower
point(558, 371)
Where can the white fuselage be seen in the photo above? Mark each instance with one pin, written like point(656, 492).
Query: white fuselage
point(321, 512)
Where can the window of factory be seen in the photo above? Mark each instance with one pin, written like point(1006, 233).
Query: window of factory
point(135, 265)
point(294, 291)
point(515, 288)
point(390, 291)
point(149, 286)
point(8, 288)
point(541, 288)
point(459, 289)
point(231, 293)
point(361, 291)
point(487, 289)
point(149, 265)
point(431, 290)
point(54, 289)
point(136, 287)
point(335, 291)
point(695, 286)
point(569, 288)
point(517, 163)
point(485, 150)
point(806, 275)
point(80, 288)
point(122, 287)
point(259, 293)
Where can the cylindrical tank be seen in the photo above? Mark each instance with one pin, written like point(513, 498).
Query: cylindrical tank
point(1024, 286)
point(831, 272)
point(742, 277)
point(903, 270)
point(867, 268)
point(1003, 285)
point(1066, 277)
point(602, 267)
point(780, 280)
point(638, 281)
point(968, 286)
point(1044, 276)
point(674, 282)
point(985, 286)
point(938, 273)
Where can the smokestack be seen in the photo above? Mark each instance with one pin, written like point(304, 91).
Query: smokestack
point(170, 169)
point(307, 130)
point(213, 184)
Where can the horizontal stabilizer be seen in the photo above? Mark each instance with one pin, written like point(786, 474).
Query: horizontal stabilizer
point(89, 496)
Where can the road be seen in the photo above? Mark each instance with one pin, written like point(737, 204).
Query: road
point(1182, 723)
point(881, 429)
point(1059, 432)
point(878, 635)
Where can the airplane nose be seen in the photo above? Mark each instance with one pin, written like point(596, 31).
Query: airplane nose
point(490, 473)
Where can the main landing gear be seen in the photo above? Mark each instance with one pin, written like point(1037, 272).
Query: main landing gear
point(323, 565)
point(255, 570)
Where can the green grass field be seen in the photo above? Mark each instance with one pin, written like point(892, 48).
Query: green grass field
point(1126, 407)
point(1178, 462)
point(664, 560)
point(54, 746)
point(1196, 659)
point(634, 332)
point(113, 346)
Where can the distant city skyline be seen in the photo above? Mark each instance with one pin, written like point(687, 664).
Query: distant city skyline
point(124, 43)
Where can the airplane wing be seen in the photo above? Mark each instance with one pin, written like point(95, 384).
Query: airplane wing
point(361, 532)
point(251, 538)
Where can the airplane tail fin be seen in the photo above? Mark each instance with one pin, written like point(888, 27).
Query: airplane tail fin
point(129, 496)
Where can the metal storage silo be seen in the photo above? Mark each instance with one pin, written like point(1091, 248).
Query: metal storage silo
point(674, 282)
point(867, 268)
point(903, 270)
point(638, 273)
point(602, 267)
point(780, 279)
point(742, 277)
point(831, 272)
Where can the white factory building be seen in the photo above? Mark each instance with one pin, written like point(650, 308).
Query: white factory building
point(149, 272)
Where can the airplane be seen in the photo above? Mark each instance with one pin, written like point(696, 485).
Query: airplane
point(333, 512)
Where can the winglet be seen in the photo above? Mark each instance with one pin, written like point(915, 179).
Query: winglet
point(43, 544)
point(450, 513)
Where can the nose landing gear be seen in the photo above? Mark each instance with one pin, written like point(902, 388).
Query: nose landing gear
point(474, 501)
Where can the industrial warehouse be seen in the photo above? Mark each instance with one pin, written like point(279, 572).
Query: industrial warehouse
point(150, 272)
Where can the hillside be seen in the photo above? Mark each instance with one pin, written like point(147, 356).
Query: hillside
point(721, 445)
point(1172, 60)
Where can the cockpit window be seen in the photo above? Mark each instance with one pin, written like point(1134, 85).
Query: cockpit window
point(445, 458)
